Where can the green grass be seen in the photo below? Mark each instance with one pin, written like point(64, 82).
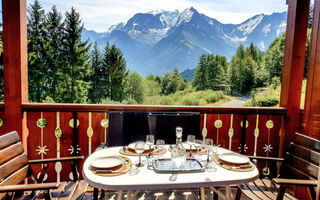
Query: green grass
point(187, 97)
point(271, 97)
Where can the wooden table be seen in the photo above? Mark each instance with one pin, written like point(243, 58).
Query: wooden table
point(147, 179)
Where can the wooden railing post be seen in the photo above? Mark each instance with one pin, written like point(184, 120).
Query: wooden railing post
point(15, 65)
point(312, 106)
point(293, 64)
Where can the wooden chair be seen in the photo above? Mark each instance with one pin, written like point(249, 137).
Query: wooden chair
point(299, 168)
point(15, 171)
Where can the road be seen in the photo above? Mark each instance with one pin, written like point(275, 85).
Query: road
point(236, 101)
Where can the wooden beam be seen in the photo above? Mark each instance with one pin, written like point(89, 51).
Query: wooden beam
point(312, 102)
point(293, 65)
point(15, 64)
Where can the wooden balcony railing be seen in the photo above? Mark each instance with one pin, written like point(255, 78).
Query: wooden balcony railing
point(52, 133)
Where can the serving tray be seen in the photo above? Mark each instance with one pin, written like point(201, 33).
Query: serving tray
point(166, 165)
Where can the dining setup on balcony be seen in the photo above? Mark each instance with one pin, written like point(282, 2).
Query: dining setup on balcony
point(152, 165)
point(130, 150)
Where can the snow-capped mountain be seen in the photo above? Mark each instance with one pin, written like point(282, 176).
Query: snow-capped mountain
point(158, 41)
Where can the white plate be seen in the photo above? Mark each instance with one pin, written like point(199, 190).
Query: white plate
point(233, 158)
point(107, 162)
point(146, 147)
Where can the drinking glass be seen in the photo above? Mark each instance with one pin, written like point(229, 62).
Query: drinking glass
point(198, 144)
point(191, 140)
point(208, 146)
point(139, 148)
point(160, 143)
point(149, 142)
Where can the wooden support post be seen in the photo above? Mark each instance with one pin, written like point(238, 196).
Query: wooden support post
point(312, 102)
point(15, 65)
point(293, 64)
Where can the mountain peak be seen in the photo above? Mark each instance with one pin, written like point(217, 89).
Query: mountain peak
point(186, 15)
point(192, 9)
point(156, 12)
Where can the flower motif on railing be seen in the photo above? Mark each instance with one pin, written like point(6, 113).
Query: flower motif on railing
point(267, 148)
point(1, 122)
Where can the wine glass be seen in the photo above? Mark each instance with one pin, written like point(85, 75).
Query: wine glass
point(139, 148)
point(191, 140)
point(198, 144)
point(149, 142)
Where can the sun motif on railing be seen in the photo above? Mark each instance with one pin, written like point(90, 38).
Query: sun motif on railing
point(104, 123)
point(42, 150)
point(71, 123)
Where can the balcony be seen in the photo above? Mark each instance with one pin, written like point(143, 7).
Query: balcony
point(59, 130)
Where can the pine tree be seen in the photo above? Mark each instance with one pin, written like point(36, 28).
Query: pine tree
point(210, 71)
point(96, 77)
point(76, 68)
point(36, 52)
point(55, 56)
point(105, 73)
point(116, 72)
point(200, 75)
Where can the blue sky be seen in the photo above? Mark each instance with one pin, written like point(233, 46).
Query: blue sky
point(98, 15)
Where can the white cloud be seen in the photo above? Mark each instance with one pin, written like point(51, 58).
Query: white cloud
point(100, 14)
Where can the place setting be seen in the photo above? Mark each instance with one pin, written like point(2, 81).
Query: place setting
point(111, 165)
point(149, 149)
point(233, 161)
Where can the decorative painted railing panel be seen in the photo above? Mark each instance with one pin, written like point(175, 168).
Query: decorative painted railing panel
point(261, 137)
point(51, 133)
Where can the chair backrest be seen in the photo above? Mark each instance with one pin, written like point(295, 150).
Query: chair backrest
point(13, 160)
point(126, 127)
point(302, 159)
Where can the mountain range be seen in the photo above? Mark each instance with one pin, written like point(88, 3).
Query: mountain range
point(159, 41)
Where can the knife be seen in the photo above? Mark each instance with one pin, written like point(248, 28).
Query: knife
point(102, 171)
